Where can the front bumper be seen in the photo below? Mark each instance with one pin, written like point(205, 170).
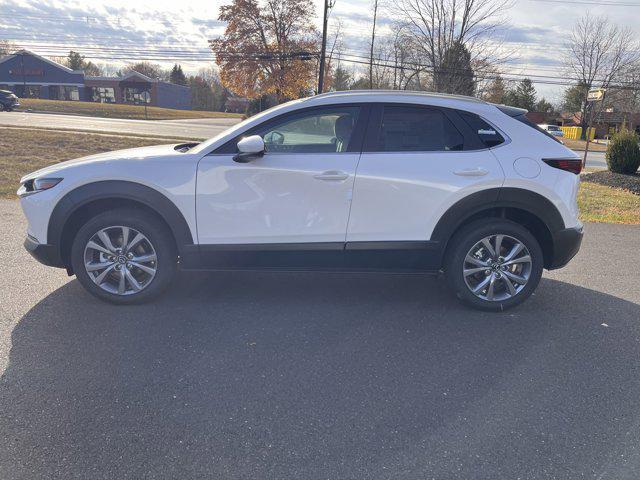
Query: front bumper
point(45, 254)
point(566, 243)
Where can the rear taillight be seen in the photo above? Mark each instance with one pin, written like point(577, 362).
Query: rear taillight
point(573, 165)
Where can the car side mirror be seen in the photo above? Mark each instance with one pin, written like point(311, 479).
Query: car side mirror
point(249, 148)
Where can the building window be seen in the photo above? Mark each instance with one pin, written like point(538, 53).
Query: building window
point(135, 95)
point(28, 91)
point(60, 92)
point(103, 94)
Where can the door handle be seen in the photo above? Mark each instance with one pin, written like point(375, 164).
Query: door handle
point(332, 175)
point(471, 172)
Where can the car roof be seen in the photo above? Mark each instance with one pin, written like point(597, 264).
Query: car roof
point(398, 96)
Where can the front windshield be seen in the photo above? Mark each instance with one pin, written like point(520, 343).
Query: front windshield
point(232, 131)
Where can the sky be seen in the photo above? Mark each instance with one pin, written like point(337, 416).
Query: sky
point(535, 30)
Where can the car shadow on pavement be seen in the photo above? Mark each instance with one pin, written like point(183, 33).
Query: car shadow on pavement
point(304, 376)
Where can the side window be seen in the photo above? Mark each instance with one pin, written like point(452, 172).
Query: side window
point(417, 129)
point(326, 130)
point(488, 135)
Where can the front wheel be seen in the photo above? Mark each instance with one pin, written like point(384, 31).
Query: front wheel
point(494, 264)
point(124, 256)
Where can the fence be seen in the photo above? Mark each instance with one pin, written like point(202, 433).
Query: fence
point(574, 133)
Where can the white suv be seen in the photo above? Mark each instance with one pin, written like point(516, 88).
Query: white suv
point(348, 181)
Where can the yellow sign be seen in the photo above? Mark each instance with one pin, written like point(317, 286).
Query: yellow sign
point(595, 94)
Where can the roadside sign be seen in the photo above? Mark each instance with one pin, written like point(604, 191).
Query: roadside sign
point(595, 94)
point(146, 97)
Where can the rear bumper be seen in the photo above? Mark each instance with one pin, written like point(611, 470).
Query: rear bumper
point(566, 243)
point(45, 254)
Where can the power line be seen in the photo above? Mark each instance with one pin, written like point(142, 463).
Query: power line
point(587, 2)
point(172, 55)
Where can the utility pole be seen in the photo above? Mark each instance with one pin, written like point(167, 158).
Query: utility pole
point(593, 96)
point(323, 50)
point(373, 40)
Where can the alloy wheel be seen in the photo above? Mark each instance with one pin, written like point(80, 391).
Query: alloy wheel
point(120, 260)
point(497, 268)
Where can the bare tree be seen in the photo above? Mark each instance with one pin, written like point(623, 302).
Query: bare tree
point(407, 71)
point(599, 54)
point(7, 48)
point(439, 28)
point(333, 54)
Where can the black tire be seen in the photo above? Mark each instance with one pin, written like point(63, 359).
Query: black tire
point(153, 228)
point(2, 107)
point(466, 238)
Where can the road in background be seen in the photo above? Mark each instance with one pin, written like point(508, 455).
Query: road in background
point(321, 376)
point(196, 129)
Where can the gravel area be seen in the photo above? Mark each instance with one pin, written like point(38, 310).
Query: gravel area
point(616, 180)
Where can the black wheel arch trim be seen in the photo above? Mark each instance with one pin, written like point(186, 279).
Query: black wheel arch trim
point(492, 198)
point(120, 190)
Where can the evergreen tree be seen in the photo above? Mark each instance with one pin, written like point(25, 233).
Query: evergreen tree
point(455, 74)
point(574, 97)
point(177, 76)
point(543, 106)
point(75, 61)
point(342, 79)
point(523, 96)
point(526, 94)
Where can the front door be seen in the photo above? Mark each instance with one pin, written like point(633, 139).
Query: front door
point(299, 192)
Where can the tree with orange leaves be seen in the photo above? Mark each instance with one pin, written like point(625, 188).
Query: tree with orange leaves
point(268, 48)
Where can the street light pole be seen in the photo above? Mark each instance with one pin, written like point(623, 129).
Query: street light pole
point(323, 50)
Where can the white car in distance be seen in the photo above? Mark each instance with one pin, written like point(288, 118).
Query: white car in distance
point(347, 181)
point(554, 130)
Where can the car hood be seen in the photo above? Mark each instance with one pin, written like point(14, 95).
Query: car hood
point(135, 154)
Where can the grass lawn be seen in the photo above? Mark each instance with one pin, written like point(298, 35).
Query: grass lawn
point(599, 203)
point(25, 150)
point(107, 110)
point(580, 144)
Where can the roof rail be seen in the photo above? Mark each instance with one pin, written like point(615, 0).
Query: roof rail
point(399, 92)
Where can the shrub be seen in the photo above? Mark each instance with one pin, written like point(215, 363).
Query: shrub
point(623, 154)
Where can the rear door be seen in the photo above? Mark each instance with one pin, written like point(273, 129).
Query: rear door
point(417, 162)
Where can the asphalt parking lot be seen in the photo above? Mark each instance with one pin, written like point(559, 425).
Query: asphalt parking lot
point(319, 376)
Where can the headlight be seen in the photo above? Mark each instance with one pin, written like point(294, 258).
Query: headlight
point(37, 185)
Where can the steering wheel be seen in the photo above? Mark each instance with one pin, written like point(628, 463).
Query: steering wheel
point(274, 138)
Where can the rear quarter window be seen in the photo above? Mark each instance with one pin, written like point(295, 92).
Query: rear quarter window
point(523, 119)
point(487, 134)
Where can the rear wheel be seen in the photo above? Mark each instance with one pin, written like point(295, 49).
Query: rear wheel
point(494, 264)
point(2, 107)
point(124, 256)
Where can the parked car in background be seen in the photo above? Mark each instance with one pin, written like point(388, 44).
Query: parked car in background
point(554, 130)
point(8, 101)
point(356, 181)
